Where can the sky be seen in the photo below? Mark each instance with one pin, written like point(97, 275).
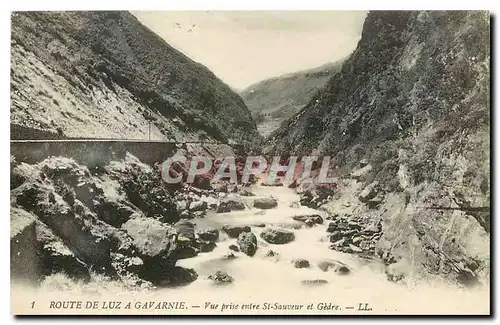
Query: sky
point(244, 47)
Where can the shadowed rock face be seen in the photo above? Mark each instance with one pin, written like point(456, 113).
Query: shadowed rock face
point(401, 78)
point(84, 231)
point(86, 222)
point(56, 256)
point(25, 265)
point(247, 243)
point(413, 102)
point(277, 236)
point(105, 71)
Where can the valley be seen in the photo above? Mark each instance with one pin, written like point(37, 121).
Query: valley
point(99, 103)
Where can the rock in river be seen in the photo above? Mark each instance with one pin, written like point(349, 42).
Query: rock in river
point(209, 234)
point(235, 231)
point(313, 218)
point(277, 236)
point(265, 203)
point(300, 263)
point(185, 229)
point(246, 193)
point(221, 277)
point(337, 267)
point(230, 205)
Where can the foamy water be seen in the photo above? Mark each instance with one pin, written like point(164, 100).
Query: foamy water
point(259, 279)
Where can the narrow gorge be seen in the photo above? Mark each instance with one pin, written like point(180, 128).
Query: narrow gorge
point(99, 102)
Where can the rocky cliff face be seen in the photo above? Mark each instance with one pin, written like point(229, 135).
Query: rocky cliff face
point(103, 74)
point(412, 102)
point(274, 100)
point(119, 221)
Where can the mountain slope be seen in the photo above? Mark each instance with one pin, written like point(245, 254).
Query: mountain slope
point(412, 101)
point(104, 74)
point(272, 101)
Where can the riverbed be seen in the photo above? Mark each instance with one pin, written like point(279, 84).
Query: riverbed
point(264, 285)
point(269, 280)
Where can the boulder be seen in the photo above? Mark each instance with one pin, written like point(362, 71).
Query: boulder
point(145, 189)
point(168, 276)
point(313, 218)
point(120, 241)
point(265, 203)
point(339, 243)
point(181, 205)
point(332, 226)
point(234, 248)
point(235, 231)
point(324, 192)
point(277, 236)
point(151, 237)
point(356, 240)
point(336, 266)
point(198, 214)
point(209, 234)
point(221, 277)
point(220, 187)
point(354, 225)
point(300, 263)
point(247, 243)
point(306, 197)
point(272, 255)
point(185, 231)
point(229, 205)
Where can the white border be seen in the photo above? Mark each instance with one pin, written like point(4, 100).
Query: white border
point(194, 5)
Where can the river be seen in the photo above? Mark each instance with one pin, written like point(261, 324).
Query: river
point(268, 285)
point(261, 279)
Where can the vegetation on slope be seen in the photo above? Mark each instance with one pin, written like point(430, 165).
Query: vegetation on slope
point(413, 102)
point(77, 71)
point(274, 100)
